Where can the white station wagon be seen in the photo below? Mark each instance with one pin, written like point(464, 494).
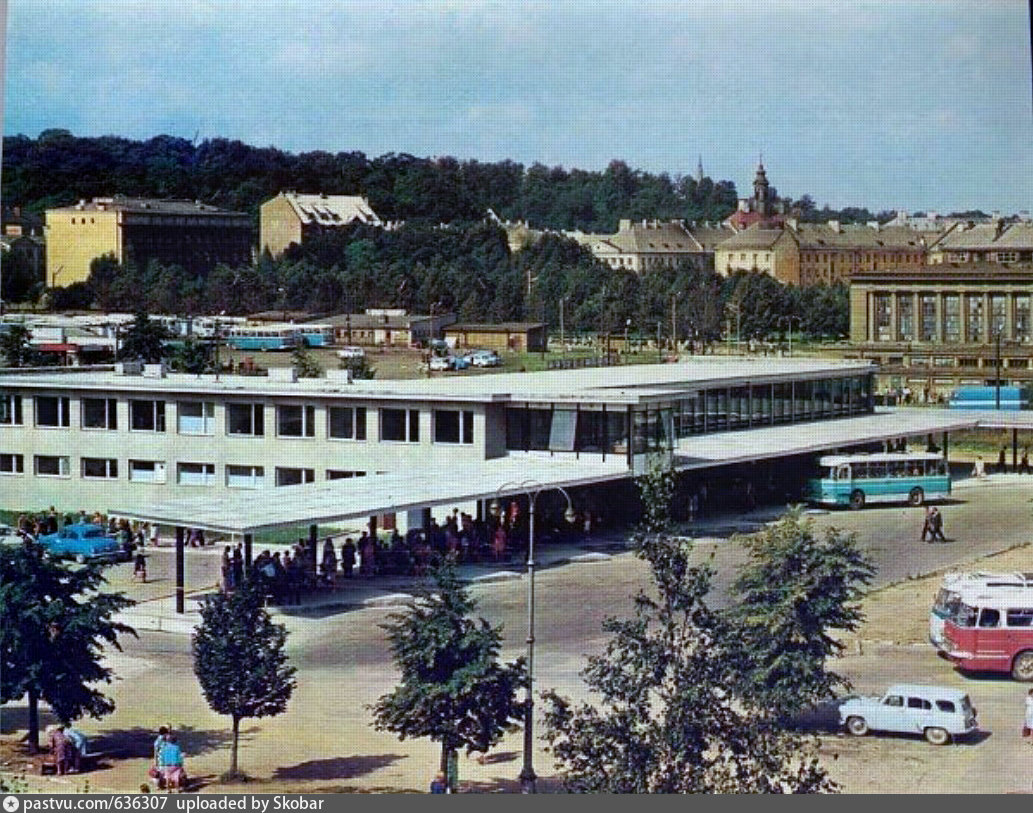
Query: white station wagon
point(936, 712)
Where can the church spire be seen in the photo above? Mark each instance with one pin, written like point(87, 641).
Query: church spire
point(760, 189)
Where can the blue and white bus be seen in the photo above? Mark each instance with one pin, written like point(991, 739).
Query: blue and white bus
point(263, 337)
point(317, 335)
point(857, 479)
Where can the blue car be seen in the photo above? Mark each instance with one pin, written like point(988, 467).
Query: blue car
point(84, 542)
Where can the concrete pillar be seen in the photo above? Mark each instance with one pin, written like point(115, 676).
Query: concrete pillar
point(180, 567)
point(373, 527)
point(249, 544)
point(1014, 450)
point(894, 331)
point(916, 319)
point(940, 311)
point(313, 547)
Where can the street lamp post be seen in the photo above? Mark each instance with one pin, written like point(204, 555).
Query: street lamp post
point(532, 488)
point(997, 366)
point(789, 320)
point(738, 324)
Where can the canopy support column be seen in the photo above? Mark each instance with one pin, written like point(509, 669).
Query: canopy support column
point(313, 543)
point(180, 579)
point(249, 543)
point(1014, 450)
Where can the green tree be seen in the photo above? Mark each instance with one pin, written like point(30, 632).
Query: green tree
point(361, 369)
point(666, 717)
point(796, 588)
point(240, 662)
point(454, 690)
point(305, 363)
point(192, 356)
point(144, 340)
point(54, 621)
point(15, 347)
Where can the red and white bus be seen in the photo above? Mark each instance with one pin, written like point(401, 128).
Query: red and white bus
point(991, 630)
point(950, 592)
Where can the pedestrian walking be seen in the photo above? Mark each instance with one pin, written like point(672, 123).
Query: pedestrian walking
point(979, 469)
point(927, 523)
point(1002, 466)
point(1027, 724)
point(936, 526)
point(1024, 463)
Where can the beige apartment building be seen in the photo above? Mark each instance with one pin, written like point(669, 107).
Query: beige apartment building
point(646, 245)
point(995, 242)
point(190, 234)
point(769, 251)
point(291, 218)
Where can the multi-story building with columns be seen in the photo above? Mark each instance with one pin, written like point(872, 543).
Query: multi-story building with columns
point(940, 326)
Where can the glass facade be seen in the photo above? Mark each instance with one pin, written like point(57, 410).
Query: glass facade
point(605, 430)
point(927, 324)
point(952, 318)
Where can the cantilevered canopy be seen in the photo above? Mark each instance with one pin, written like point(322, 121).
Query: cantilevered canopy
point(247, 512)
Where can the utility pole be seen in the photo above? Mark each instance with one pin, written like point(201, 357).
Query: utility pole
point(563, 340)
point(997, 398)
point(674, 324)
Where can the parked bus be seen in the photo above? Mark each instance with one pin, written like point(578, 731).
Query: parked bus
point(975, 397)
point(991, 630)
point(263, 337)
point(317, 335)
point(949, 594)
point(856, 479)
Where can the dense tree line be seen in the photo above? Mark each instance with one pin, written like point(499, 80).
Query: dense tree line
point(58, 168)
point(469, 270)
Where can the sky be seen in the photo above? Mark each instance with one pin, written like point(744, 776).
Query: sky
point(911, 104)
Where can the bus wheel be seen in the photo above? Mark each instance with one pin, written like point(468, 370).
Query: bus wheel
point(916, 496)
point(937, 736)
point(1022, 666)
point(857, 499)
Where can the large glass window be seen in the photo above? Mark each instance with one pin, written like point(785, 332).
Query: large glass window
point(10, 410)
point(400, 425)
point(196, 417)
point(738, 407)
point(100, 468)
point(975, 317)
point(51, 465)
point(453, 426)
point(147, 416)
point(347, 423)
point(998, 314)
point(952, 318)
point(245, 476)
point(906, 318)
point(195, 474)
point(295, 421)
point(343, 474)
point(294, 477)
point(12, 464)
point(1021, 331)
point(99, 413)
point(52, 410)
point(245, 419)
point(927, 325)
point(146, 471)
point(883, 321)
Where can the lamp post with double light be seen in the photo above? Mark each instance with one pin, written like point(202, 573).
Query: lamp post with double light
point(532, 488)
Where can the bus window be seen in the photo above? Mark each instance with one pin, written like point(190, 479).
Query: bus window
point(843, 472)
point(989, 618)
point(964, 616)
point(1019, 618)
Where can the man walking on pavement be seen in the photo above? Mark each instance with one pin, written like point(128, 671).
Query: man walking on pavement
point(936, 526)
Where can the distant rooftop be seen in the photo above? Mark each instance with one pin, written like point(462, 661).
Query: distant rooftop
point(120, 203)
point(331, 210)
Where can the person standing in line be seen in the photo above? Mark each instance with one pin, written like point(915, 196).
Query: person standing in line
point(348, 557)
point(1002, 465)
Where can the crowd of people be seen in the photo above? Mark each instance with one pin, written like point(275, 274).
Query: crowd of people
point(286, 575)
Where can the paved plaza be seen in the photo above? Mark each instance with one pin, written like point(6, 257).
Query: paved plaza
point(325, 742)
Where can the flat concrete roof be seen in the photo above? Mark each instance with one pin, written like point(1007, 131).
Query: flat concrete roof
point(361, 497)
point(628, 384)
point(429, 486)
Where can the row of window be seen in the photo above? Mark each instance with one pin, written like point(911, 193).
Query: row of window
point(247, 419)
point(154, 471)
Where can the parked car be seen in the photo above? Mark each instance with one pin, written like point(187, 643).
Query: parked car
point(936, 712)
point(441, 363)
point(83, 541)
point(351, 352)
point(460, 361)
point(9, 535)
point(485, 358)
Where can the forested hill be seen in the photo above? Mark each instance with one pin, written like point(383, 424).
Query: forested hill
point(58, 168)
